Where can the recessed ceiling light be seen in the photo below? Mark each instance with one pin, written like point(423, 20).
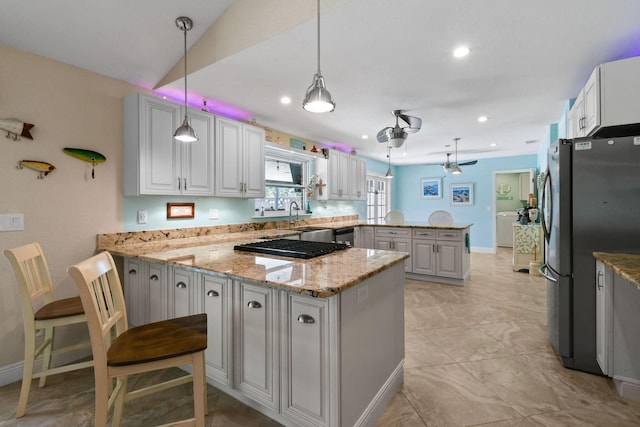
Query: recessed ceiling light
point(365, 136)
point(493, 144)
point(461, 52)
point(285, 100)
point(483, 119)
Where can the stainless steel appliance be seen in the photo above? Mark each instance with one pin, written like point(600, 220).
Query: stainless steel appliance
point(590, 202)
point(344, 235)
point(315, 234)
point(292, 248)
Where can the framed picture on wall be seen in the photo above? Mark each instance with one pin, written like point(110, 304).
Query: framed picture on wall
point(431, 188)
point(461, 194)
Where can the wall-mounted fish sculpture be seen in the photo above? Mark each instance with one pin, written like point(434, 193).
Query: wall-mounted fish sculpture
point(43, 167)
point(16, 128)
point(89, 156)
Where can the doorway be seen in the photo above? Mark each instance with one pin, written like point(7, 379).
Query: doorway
point(511, 191)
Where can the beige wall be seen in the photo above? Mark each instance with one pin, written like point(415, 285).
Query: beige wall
point(70, 107)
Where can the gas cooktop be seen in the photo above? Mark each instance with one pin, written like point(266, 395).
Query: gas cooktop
point(292, 248)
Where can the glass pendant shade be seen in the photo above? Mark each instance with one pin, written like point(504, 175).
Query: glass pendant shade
point(318, 99)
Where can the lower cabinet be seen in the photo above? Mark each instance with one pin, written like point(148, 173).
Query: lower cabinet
point(440, 255)
point(394, 239)
point(215, 294)
point(145, 291)
point(256, 346)
point(182, 293)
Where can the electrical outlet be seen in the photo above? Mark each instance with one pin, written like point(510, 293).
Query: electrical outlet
point(142, 217)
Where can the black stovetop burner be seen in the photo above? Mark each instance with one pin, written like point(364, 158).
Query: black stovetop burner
point(292, 248)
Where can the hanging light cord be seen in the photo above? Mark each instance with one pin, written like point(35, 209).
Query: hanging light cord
point(319, 74)
point(184, 30)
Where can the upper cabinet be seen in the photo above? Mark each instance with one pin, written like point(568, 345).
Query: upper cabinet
point(609, 103)
point(345, 176)
point(240, 159)
point(153, 162)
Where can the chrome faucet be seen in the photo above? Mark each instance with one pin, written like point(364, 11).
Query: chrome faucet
point(291, 221)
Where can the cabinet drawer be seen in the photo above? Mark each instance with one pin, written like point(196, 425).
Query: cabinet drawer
point(424, 233)
point(448, 234)
point(393, 232)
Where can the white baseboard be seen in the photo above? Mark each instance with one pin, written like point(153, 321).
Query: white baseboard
point(12, 373)
point(381, 400)
point(480, 250)
point(627, 388)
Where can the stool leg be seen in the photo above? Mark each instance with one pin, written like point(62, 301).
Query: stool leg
point(27, 372)
point(199, 388)
point(121, 389)
point(102, 396)
point(46, 356)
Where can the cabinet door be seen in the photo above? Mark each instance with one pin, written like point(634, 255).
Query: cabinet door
point(404, 245)
point(352, 178)
point(256, 356)
point(216, 297)
point(159, 154)
point(198, 157)
point(305, 359)
point(181, 292)
point(333, 175)
point(228, 158)
point(591, 103)
point(156, 275)
point(448, 259)
point(364, 237)
point(133, 292)
point(253, 154)
point(361, 179)
point(344, 164)
point(423, 256)
point(604, 323)
point(384, 243)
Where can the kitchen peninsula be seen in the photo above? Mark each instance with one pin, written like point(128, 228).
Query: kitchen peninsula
point(317, 342)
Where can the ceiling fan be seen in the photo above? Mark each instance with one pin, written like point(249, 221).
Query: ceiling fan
point(454, 168)
point(396, 135)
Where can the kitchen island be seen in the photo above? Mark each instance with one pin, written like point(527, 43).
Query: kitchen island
point(317, 342)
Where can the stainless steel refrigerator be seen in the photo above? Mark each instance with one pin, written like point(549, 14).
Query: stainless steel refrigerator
point(590, 202)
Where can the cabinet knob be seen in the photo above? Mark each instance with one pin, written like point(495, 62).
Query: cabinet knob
point(305, 318)
point(133, 272)
point(181, 285)
point(213, 293)
point(254, 304)
point(154, 277)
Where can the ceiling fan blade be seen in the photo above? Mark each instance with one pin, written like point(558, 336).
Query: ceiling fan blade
point(469, 163)
point(415, 123)
point(385, 134)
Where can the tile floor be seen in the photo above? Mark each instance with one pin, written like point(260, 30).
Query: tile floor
point(475, 355)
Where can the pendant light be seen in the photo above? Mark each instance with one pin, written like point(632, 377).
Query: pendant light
point(318, 99)
point(456, 169)
point(185, 132)
point(389, 173)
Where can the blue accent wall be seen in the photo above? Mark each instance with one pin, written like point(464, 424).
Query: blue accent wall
point(481, 214)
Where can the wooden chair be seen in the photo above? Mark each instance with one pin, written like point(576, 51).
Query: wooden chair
point(119, 351)
point(34, 284)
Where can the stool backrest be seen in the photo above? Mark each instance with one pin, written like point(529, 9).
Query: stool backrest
point(103, 301)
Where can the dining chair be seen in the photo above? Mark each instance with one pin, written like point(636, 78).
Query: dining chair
point(119, 351)
point(40, 311)
point(394, 217)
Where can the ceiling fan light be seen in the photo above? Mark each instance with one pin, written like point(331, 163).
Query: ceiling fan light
point(185, 133)
point(456, 170)
point(318, 99)
point(398, 141)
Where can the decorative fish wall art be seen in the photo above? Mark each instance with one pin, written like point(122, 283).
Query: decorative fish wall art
point(16, 128)
point(43, 167)
point(88, 156)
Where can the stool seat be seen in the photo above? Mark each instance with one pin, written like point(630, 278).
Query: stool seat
point(159, 340)
point(60, 308)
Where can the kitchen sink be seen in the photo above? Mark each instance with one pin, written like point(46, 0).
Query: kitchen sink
point(316, 234)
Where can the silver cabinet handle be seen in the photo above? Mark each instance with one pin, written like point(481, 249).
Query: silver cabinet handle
point(599, 281)
point(254, 304)
point(213, 293)
point(179, 184)
point(133, 272)
point(181, 285)
point(392, 232)
point(185, 183)
point(245, 187)
point(305, 318)
point(154, 277)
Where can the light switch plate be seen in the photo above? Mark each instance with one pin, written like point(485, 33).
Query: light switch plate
point(213, 213)
point(12, 222)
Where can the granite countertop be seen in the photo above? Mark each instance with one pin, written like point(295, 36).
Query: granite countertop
point(356, 223)
point(322, 276)
point(626, 266)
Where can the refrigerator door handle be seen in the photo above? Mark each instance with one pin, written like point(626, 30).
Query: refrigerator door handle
point(546, 205)
point(543, 270)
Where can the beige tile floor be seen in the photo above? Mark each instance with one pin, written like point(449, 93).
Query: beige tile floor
point(475, 355)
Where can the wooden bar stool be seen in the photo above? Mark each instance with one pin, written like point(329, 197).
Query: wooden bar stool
point(119, 351)
point(34, 284)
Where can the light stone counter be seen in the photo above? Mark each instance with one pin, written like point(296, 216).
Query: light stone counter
point(626, 266)
point(417, 224)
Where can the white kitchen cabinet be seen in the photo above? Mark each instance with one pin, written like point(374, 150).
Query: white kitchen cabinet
point(239, 159)
point(154, 163)
point(345, 176)
point(610, 98)
point(304, 326)
point(364, 237)
point(145, 288)
point(604, 310)
point(133, 292)
point(182, 292)
point(448, 259)
point(394, 239)
point(216, 302)
point(424, 252)
point(256, 352)
point(156, 274)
